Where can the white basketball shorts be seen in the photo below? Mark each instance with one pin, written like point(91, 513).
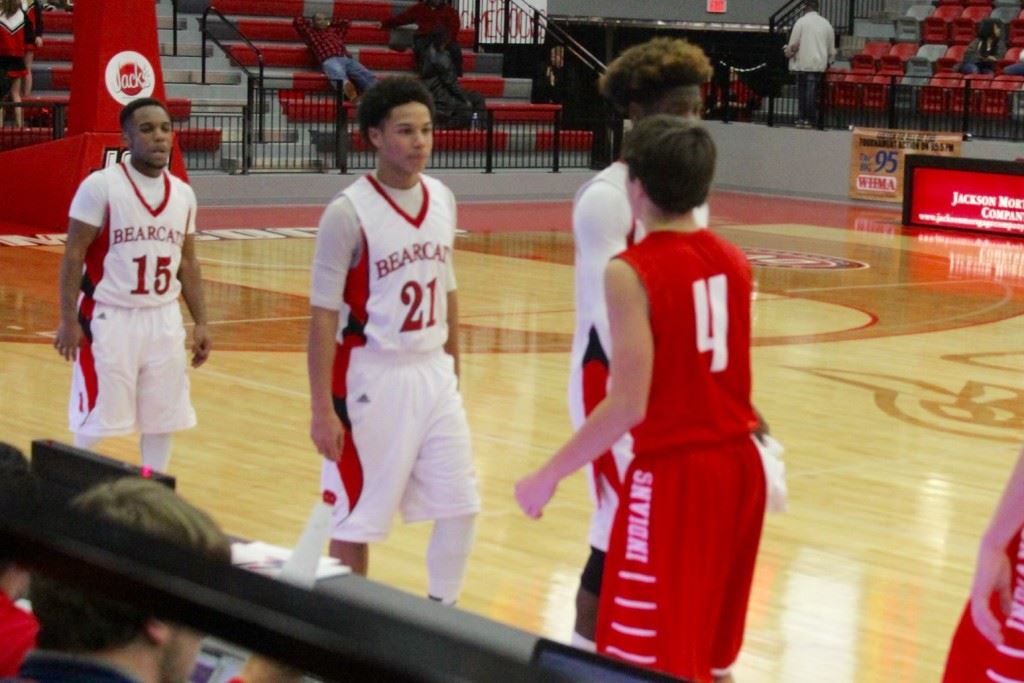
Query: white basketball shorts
point(603, 493)
point(132, 376)
point(408, 449)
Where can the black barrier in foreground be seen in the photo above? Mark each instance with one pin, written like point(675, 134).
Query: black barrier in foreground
point(357, 630)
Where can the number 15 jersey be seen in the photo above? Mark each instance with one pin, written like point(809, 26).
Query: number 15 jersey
point(143, 221)
point(384, 261)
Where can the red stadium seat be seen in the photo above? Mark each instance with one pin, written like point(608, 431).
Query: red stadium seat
point(870, 55)
point(1011, 57)
point(897, 58)
point(952, 59)
point(936, 27)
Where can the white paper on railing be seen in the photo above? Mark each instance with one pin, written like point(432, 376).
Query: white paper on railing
point(269, 560)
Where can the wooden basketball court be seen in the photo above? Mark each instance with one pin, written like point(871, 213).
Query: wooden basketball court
point(889, 363)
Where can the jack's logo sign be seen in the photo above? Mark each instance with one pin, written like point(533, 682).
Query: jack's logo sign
point(129, 76)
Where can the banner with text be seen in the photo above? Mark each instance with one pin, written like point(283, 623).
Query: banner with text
point(876, 159)
point(521, 25)
point(967, 198)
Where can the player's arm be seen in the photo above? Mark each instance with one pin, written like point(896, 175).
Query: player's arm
point(338, 241)
point(69, 330)
point(325, 428)
point(626, 403)
point(192, 290)
point(993, 571)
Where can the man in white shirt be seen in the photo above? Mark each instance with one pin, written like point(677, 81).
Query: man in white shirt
point(811, 48)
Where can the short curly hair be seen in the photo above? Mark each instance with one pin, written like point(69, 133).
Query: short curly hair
point(646, 73)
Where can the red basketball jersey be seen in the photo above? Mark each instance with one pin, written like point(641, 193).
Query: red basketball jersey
point(698, 291)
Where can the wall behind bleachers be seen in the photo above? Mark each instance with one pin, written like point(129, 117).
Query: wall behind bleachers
point(751, 157)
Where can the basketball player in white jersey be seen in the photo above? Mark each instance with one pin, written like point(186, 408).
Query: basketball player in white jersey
point(383, 348)
point(129, 255)
point(661, 76)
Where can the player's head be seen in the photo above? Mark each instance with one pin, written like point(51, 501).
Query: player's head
point(20, 494)
point(673, 161)
point(661, 76)
point(321, 21)
point(146, 127)
point(810, 5)
point(396, 117)
point(74, 621)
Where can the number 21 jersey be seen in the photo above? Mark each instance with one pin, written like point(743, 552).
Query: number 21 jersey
point(396, 293)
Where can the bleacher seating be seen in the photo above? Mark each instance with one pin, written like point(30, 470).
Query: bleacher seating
point(870, 55)
point(952, 59)
point(1012, 56)
point(897, 57)
point(936, 27)
point(965, 27)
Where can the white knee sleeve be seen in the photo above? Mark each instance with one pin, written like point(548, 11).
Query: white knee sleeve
point(447, 555)
point(156, 451)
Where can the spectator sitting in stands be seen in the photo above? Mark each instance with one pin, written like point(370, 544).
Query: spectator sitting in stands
point(18, 628)
point(326, 40)
point(986, 50)
point(1016, 69)
point(454, 106)
point(437, 23)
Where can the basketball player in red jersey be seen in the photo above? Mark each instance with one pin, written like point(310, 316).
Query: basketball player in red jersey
point(989, 642)
point(129, 254)
point(681, 558)
point(383, 353)
point(661, 76)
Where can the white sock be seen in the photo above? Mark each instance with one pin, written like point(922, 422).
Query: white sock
point(85, 441)
point(582, 643)
point(156, 451)
point(447, 556)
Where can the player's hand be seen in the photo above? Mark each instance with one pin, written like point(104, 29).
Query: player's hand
point(39, 41)
point(534, 491)
point(992, 575)
point(69, 338)
point(328, 435)
point(201, 345)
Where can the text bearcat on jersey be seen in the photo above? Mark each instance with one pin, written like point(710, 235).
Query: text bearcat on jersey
point(151, 233)
point(425, 251)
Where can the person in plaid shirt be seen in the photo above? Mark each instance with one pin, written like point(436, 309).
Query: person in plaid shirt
point(326, 39)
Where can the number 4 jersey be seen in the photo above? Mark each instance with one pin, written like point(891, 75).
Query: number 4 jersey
point(698, 291)
point(384, 261)
point(143, 221)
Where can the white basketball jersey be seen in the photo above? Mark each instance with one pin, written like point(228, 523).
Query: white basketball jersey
point(398, 292)
point(605, 240)
point(133, 262)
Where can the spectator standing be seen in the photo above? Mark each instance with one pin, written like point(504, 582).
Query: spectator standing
point(33, 39)
point(437, 24)
point(130, 252)
point(326, 40)
point(811, 48)
point(13, 21)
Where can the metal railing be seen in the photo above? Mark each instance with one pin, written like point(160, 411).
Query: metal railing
point(842, 14)
point(540, 21)
point(965, 106)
